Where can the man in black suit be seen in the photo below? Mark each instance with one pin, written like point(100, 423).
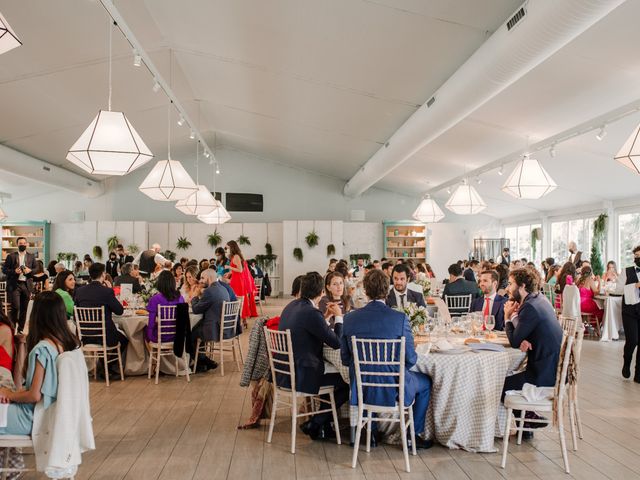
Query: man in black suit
point(309, 333)
point(531, 326)
point(95, 294)
point(575, 256)
point(505, 258)
point(490, 303)
point(18, 267)
point(126, 277)
point(471, 273)
point(400, 295)
point(459, 286)
point(123, 257)
point(630, 316)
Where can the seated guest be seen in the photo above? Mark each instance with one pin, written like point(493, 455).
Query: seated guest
point(7, 347)
point(430, 272)
point(400, 295)
point(387, 268)
point(490, 303)
point(531, 326)
point(51, 268)
point(65, 286)
point(589, 286)
point(458, 285)
point(95, 294)
point(503, 274)
point(611, 274)
point(332, 265)
point(209, 303)
point(203, 265)
point(309, 333)
point(40, 278)
point(167, 294)
point(178, 274)
point(567, 270)
point(254, 269)
point(48, 337)
point(378, 321)
point(191, 287)
point(471, 273)
point(552, 275)
point(335, 303)
point(108, 281)
point(126, 277)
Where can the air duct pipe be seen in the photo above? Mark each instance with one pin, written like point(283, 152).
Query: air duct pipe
point(534, 33)
point(31, 168)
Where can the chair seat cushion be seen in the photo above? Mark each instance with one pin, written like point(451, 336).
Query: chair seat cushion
point(517, 401)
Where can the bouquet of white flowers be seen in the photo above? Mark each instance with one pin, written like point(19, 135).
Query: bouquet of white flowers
point(425, 283)
point(148, 291)
point(417, 315)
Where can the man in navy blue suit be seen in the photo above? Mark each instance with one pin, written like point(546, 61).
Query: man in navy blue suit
point(377, 320)
point(309, 333)
point(532, 326)
point(400, 295)
point(490, 303)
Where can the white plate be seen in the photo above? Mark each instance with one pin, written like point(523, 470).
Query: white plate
point(453, 351)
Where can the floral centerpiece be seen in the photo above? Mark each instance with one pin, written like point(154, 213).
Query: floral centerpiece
point(417, 314)
point(149, 290)
point(425, 283)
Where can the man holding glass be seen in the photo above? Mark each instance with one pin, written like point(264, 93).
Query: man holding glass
point(490, 303)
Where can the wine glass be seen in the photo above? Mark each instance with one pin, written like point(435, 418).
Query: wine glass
point(490, 322)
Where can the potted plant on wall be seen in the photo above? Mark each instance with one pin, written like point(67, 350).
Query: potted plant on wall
point(97, 252)
point(183, 243)
point(214, 239)
point(597, 241)
point(112, 242)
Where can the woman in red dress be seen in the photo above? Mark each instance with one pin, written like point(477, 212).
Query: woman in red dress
point(239, 282)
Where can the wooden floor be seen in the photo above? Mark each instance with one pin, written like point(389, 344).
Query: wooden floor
point(176, 430)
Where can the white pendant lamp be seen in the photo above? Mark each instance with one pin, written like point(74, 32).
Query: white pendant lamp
point(465, 200)
point(110, 145)
point(168, 180)
point(529, 180)
point(199, 203)
point(629, 154)
point(218, 216)
point(8, 38)
point(428, 211)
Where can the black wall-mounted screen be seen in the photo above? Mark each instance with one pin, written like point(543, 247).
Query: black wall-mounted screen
point(244, 202)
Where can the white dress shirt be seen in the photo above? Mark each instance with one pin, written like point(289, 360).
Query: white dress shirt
point(400, 302)
point(492, 299)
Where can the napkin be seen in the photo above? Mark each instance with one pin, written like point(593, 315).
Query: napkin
point(533, 394)
point(631, 296)
point(443, 344)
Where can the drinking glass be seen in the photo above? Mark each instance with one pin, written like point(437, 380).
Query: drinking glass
point(489, 322)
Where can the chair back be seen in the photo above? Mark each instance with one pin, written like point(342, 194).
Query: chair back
point(258, 283)
point(458, 304)
point(90, 322)
point(229, 318)
point(166, 322)
point(568, 324)
point(379, 364)
point(280, 350)
point(563, 371)
point(3, 287)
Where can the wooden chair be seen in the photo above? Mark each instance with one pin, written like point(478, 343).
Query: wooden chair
point(281, 362)
point(228, 324)
point(90, 322)
point(559, 398)
point(548, 292)
point(458, 304)
point(167, 326)
point(591, 323)
point(258, 283)
point(369, 357)
point(4, 298)
point(570, 324)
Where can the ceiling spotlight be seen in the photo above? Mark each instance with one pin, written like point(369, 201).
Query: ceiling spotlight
point(181, 121)
point(207, 154)
point(156, 87)
point(602, 133)
point(501, 171)
point(552, 151)
point(137, 59)
point(478, 180)
point(449, 190)
point(192, 135)
point(217, 170)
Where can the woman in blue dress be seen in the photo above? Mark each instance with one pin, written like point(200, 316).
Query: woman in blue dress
point(222, 263)
point(49, 336)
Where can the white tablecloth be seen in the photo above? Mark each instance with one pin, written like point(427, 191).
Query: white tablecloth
point(612, 320)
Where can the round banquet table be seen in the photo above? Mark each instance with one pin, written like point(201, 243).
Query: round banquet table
point(137, 360)
point(612, 319)
point(465, 396)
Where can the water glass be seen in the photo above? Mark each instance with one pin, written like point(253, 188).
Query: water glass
point(489, 322)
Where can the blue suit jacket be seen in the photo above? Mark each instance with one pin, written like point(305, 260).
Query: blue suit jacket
point(537, 323)
point(309, 333)
point(377, 320)
point(210, 305)
point(497, 310)
point(412, 297)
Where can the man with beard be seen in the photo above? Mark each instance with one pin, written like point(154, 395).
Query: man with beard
point(532, 326)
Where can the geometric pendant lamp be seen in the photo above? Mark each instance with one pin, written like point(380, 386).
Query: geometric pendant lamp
point(629, 154)
point(8, 38)
point(168, 181)
point(428, 211)
point(218, 216)
point(465, 200)
point(109, 146)
point(200, 202)
point(529, 180)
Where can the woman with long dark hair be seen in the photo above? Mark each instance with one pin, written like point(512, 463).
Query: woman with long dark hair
point(167, 294)
point(178, 274)
point(49, 336)
point(241, 281)
point(336, 302)
point(222, 263)
point(589, 286)
point(40, 278)
point(65, 285)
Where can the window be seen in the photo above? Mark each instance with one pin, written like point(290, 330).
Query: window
point(629, 235)
point(580, 231)
point(520, 243)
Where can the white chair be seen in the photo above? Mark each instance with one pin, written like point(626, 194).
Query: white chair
point(281, 362)
point(258, 296)
point(458, 304)
point(228, 324)
point(13, 441)
point(380, 364)
point(560, 396)
point(90, 322)
point(4, 298)
point(547, 290)
point(570, 324)
point(167, 326)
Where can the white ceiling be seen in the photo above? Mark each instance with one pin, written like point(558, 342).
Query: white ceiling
point(322, 85)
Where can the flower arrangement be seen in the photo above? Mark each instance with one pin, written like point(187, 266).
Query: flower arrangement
point(425, 283)
point(148, 291)
point(417, 315)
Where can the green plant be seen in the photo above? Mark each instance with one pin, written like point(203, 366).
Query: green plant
point(331, 249)
point(60, 256)
point(214, 239)
point(112, 242)
point(599, 235)
point(183, 243)
point(535, 237)
point(133, 248)
point(169, 255)
point(97, 252)
point(243, 240)
point(297, 254)
point(268, 248)
point(311, 239)
point(265, 262)
point(357, 256)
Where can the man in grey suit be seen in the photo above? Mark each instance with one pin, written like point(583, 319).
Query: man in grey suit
point(209, 304)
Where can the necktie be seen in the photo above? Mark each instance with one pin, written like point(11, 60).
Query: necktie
point(402, 300)
point(487, 304)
